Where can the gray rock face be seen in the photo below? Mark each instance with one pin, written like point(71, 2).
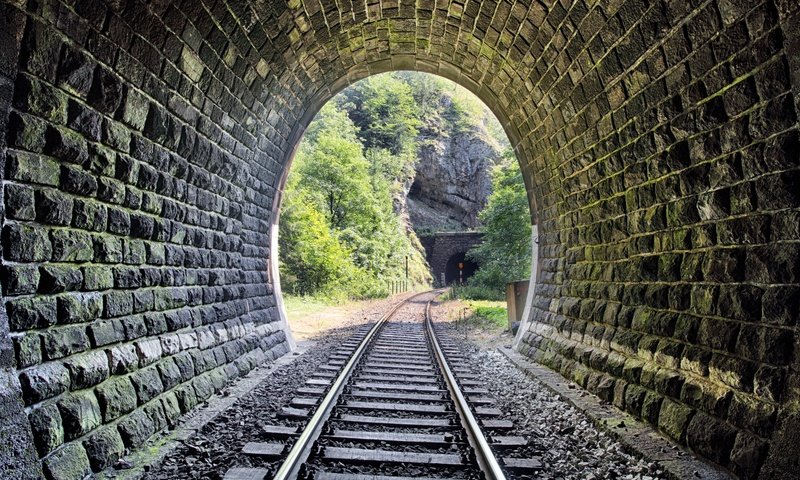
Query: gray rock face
point(453, 180)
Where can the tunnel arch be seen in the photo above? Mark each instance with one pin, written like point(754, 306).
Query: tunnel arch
point(325, 95)
point(459, 268)
point(662, 135)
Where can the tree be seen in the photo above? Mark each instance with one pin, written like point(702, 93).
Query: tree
point(340, 236)
point(385, 107)
point(505, 253)
point(312, 259)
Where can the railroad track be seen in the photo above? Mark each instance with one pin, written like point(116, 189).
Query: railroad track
point(392, 403)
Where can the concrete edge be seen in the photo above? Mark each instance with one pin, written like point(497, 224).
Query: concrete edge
point(150, 455)
point(637, 437)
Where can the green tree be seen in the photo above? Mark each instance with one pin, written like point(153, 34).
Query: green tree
point(505, 253)
point(335, 173)
point(340, 235)
point(384, 106)
point(313, 260)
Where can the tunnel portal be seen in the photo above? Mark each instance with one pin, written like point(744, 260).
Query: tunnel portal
point(145, 145)
point(444, 251)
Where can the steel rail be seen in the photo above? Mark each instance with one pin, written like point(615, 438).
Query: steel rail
point(290, 467)
point(483, 453)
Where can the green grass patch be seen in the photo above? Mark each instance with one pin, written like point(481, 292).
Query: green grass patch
point(485, 314)
point(470, 292)
point(305, 305)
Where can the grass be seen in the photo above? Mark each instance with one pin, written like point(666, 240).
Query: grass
point(470, 292)
point(296, 305)
point(485, 315)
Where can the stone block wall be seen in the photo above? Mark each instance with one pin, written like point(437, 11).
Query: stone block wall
point(669, 195)
point(134, 250)
point(441, 247)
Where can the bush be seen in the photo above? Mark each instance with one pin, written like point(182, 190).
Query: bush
point(476, 292)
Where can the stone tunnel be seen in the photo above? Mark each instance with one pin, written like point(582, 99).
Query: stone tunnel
point(444, 251)
point(145, 145)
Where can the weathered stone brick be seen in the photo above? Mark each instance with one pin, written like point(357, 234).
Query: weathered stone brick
point(28, 313)
point(68, 463)
point(27, 132)
point(134, 110)
point(748, 455)
point(71, 246)
point(75, 70)
point(135, 429)
point(103, 448)
point(40, 99)
point(44, 381)
point(97, 278)
point(88, 369)
point(169, 372)
point(66, 145)
point(134, 327)
point(19, 202)
point(107, 249)
point(143, 302)
point(142, 226)
point(133, 198)
point(187, 399)
point(106, 332)
point(134, 252)
point(110, 190)
point(28, 350)
point(116, 135)
point(20, 279)
point(115, 397)
point(84, 120)
point(674, 418)
point(24, 243)
point(58, 342)
point(149, 351)
point(46, 427)
point(748, 413)
point(172, 409)
point(123, 359)
point(53, 207)
point(710, 437)
point(42, 49)
point(126, 277)
point(117, 304)
point(78, 308)
point(106, 92)
point(76, 180)
point(147, 384)
point(185, 364)
point(88, 215)
point(80, 414)
point(59, 278)
point(119, 221)
point(731, 371)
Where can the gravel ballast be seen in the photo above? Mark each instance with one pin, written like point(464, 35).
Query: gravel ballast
point(567, 443)
point(218, 445)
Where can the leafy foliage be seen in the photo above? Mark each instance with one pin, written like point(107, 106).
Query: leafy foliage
point(340, 233)
point(505, 254)
point(340, 237)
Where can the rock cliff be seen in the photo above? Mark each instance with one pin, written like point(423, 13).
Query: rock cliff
point(452, 180)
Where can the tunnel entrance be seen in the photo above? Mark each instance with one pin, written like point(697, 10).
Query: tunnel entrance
point(459, 269)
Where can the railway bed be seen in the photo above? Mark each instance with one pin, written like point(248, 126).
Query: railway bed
point(392, 403)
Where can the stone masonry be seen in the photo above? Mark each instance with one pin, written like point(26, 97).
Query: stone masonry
point(441, 247)
point(146, 143)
